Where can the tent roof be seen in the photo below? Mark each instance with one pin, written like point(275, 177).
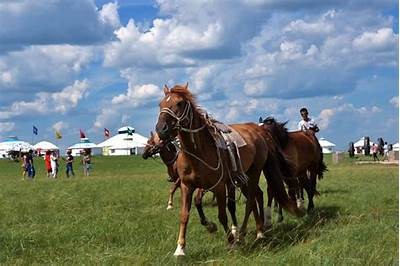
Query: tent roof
point(125, 140)
point(324, 143)
point(84, 144)
point(360, 142)
point(15, 145)
point(45, 145)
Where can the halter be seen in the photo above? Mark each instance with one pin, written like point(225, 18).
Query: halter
point(187, 114)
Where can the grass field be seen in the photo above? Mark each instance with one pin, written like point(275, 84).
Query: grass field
point(118, 216)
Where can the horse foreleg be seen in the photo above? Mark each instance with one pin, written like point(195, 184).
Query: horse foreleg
point(172, 190)
point(211, 227)
point(232, 209)
point(186, 203)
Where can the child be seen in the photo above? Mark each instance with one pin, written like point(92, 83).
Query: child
point(47, 163)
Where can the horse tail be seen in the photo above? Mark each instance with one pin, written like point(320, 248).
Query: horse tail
point(274, 168)
point(322, 166)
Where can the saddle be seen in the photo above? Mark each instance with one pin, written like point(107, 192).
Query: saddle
point(226, 138)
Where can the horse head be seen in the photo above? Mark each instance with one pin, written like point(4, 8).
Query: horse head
point(175, 111)
point(152, 147)
point(277, 130)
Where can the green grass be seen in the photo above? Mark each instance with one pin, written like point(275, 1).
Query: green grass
point(118, 216)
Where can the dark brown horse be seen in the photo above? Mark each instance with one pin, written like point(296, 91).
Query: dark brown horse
point(169, 154)
point(207, 166)
point(304, 152)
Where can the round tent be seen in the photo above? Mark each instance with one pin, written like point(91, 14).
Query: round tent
point(359, 145)
point(43, 146)
point(13, 144)
point(126, 142)
point(78, 148)
point(327, 146)
point(396, 147)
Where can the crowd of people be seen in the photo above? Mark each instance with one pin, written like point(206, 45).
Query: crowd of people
point(52, 164)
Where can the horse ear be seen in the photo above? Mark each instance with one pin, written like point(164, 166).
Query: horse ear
point(260, 120)
point(186, 86)
point(166, 90)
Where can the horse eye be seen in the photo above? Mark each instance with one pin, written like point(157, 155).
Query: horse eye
point(180, 104)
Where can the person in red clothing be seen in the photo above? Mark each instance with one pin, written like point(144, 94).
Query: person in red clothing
point(47, 162)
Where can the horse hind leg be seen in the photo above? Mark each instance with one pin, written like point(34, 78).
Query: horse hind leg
point(232, 210)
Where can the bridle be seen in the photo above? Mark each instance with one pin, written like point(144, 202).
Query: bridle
point(187, 114)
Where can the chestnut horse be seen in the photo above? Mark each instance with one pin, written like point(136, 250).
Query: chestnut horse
point(304, 152)
point(207, 166)
point(169, 154)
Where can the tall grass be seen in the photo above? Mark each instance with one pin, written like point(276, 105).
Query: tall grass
point(118, 216)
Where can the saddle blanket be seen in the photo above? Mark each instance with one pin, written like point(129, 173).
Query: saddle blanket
point(229, 135)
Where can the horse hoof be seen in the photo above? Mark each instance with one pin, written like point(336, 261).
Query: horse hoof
point(231, 238)
point(170, 207)
point(211, 227)
point(260, 235)
point(300, 204)
point(180, 251)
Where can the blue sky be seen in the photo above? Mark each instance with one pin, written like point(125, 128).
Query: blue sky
point(81, 64)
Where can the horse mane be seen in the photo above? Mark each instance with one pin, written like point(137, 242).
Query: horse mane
point(278, 130)
point(185, 94)
point(188, 96)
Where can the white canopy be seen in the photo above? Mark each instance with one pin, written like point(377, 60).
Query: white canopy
point(360, 143)
point(123, 140)
point(324, 143)
point(396, 147)
point(84, 144)
point(14, 144)
point(45, 146)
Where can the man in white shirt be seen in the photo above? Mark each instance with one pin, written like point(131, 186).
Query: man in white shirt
point(307, 123)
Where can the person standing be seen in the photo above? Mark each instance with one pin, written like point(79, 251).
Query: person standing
point(86, 161)
point(69, 162)
point(47, 163)
point(385, 151)
point(54, 164)
point(374, 150)
point(306, 122)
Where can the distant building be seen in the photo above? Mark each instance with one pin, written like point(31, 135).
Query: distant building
point(78, 148)
point(126, 142)
point(327, 146)
point(359, 146)
point(13, 144)
point(43, 146)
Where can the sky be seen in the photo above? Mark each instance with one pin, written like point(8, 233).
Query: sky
point(71, 65)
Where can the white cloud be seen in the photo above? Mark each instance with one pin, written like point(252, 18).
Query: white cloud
point(381, 39)
point(78, 22)
point(45, 103)
point(69, 97)
point(43, 67)
point(395, 101)
point(6, 127)
point(325, 117)
point(137, 94)
point(58, 126)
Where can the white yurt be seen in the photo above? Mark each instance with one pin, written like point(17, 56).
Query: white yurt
point(327, 146)
point(396, 147)
point(13, 144)
point(78, 148)
point(126, 142)
point(43, 146)
point(359, 146)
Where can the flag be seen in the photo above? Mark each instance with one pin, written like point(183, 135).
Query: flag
point(106, 133)
point(130, 132)
point(82, 134)
point(58, 135)
point(35, 130)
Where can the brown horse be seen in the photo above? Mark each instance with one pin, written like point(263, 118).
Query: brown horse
point(304, 152)
point(169, 154)
point(207, 166)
